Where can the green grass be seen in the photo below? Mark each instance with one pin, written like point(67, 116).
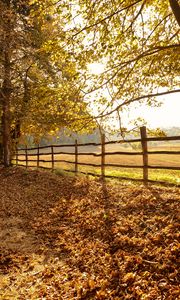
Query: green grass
point(169, 176)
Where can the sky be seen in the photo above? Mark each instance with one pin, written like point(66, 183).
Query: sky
point(168, 115)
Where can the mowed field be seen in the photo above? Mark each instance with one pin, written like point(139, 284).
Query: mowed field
point(168, 160)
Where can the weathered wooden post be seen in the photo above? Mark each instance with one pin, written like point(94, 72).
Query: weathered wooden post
point(26, 155)
point(76, 157)
point(145, 153)
point(52, 157)
point(102, 156)
point(38, 156)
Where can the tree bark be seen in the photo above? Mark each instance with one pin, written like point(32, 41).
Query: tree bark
point(6, 138)
point(175, 9)
point(6, 88)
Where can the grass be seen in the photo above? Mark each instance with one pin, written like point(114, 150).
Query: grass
point(167, 176)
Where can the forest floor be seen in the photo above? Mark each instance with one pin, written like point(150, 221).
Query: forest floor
point(75, 238)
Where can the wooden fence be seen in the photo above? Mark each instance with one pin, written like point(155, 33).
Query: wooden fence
point(144, 153)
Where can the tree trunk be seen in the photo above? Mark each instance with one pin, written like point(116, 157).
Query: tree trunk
point(1, 148)
point(175, 9)
point(6, 137)
point(6, 88)
point(1, 153)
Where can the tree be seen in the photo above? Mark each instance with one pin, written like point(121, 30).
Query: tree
point(45, 50)
point(39, 90)
point(175, 6)
point(7, 27)
point(138, 41)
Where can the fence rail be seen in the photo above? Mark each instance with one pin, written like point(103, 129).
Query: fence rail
point(102, 155)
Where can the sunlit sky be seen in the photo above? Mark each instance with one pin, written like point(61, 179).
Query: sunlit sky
point(168, 115)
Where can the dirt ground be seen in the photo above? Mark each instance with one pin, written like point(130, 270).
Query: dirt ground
point(75, 238)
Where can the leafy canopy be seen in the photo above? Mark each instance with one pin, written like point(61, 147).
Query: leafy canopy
point(53, 42)
point(138, 42)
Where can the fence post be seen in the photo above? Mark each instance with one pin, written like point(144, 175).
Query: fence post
point(38, 156)
point(145, 154)
point(102, 156)
point(26, 155)
point(76, 157)
point(52, 157)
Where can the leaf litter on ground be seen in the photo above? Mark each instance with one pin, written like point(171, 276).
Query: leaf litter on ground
point(75, 238)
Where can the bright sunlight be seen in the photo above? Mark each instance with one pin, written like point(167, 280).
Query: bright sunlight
point(96, 68)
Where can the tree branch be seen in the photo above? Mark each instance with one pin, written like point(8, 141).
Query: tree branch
point(107, 17)
point(137, 99)
point(125, 63)
point(102, 115)
point(175, 9)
